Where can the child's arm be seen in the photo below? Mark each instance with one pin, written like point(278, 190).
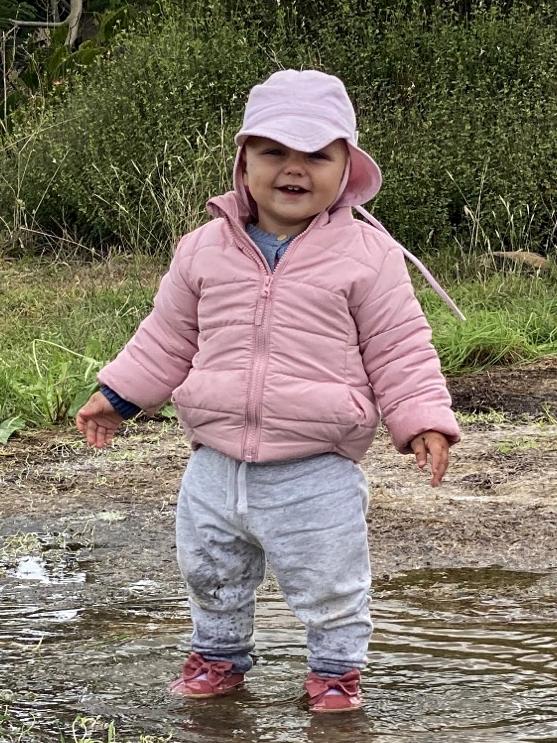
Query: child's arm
point(401, 364)
point(158, 357)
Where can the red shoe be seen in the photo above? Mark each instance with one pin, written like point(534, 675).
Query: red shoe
point(334, 694)
point(202, 678)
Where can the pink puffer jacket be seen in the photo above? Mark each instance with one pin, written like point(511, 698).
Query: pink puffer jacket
point(266, 366)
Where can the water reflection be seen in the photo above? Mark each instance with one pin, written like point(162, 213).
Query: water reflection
point(31, 567)
point(457, 655)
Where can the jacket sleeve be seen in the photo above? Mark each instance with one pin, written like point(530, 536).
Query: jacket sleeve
point(402, 366)
point(158, 357)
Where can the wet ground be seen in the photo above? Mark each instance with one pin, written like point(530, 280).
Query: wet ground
point(94, 619)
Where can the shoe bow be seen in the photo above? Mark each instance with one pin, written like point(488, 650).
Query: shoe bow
point(348, 683)
point(216, 670)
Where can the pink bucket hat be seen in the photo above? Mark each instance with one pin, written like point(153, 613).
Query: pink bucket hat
point(307, 110)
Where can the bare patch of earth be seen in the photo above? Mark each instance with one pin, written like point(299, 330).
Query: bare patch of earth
point(498, 504)
point(525, 389)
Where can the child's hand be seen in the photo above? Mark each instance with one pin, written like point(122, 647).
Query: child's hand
point(437, 446)
point(97, 420)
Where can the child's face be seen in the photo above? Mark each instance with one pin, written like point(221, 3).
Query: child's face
point(290, 187)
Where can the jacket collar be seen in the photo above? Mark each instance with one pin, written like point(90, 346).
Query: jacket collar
point(231, 207)
point(234, 209)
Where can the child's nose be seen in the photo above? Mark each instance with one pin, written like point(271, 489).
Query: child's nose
point(295, 164)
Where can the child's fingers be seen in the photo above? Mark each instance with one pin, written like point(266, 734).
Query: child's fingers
point(91, 432)
point(439, 463)
point(420, 452)
point(84, 417)
point(80, 423)
point(100, 437)
point(436, 446)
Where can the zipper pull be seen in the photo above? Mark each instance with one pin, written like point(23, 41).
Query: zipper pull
point(265, 291)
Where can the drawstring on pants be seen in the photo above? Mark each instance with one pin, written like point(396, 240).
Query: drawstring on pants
point(237, 491)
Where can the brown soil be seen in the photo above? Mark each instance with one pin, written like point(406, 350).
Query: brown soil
point(498, 504)
point(527, 389)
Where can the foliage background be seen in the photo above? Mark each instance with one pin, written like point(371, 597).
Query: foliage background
point(456, 101)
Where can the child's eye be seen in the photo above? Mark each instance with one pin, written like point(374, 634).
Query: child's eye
point(318, 156)
point(273, 151)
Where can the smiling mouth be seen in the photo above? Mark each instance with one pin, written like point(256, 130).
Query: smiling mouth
point(293, 189)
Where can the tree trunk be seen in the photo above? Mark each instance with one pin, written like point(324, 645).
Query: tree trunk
point(72, 21)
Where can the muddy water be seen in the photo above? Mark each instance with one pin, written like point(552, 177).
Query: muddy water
point(457, 655)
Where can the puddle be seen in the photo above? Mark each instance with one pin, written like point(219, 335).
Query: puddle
point(457, 655)
point(31, 567)
point(47, 559)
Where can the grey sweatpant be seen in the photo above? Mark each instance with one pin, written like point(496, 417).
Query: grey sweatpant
point(307, 518)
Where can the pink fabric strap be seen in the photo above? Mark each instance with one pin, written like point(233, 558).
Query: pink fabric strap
point(419, 265)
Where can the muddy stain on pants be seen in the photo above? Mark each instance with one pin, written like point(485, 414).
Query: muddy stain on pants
point(307, 519)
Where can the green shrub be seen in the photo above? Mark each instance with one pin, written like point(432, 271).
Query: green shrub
point(119, 129)
point(441, 100)
point(456, 101)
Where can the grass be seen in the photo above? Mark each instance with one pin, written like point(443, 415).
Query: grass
point(511, 315)
point(520, 444)
point(492, 418)
point(60, 321)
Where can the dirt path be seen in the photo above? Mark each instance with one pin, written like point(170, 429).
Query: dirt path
point(497, 506)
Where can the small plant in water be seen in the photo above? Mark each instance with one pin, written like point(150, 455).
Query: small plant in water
point(549, 418)
point(84, 727)
point(11, 731)
point(87, 730)
point(20, 543)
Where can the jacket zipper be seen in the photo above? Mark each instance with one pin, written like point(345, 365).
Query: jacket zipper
point(257, 378)
point(255, 388)
point(251, 404)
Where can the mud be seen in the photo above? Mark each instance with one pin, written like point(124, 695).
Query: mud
point(497, 505)
point(525, 389)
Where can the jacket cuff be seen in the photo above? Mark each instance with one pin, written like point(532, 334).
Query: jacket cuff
point(124, 407)
point(413, 420)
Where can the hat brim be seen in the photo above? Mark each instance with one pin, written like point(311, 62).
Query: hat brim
point(365, 177)
point(314, 136)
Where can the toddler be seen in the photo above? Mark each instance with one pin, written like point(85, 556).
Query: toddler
point(282, 331)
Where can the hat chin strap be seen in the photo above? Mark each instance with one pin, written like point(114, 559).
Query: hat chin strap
point(343, 183)
point(412, 258)
point(432, 281)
